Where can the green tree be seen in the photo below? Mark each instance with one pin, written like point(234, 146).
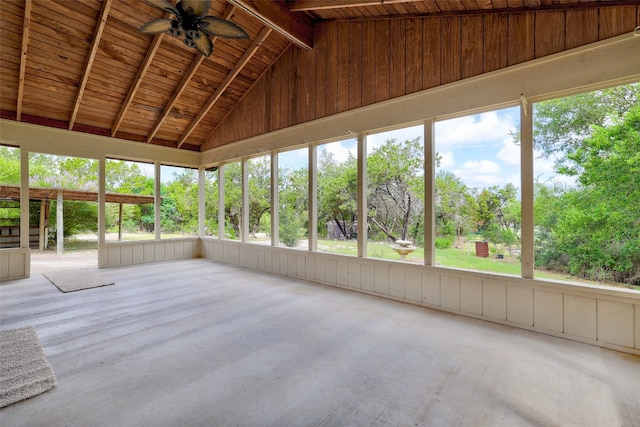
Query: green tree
point(337, 191)
point(454, 206)
point(396, 188)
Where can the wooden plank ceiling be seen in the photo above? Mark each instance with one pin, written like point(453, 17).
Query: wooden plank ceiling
point(82, 65)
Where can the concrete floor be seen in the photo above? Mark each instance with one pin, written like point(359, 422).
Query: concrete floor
point(196, 343)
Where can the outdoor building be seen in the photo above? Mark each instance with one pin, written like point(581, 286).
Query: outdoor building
point(235, 190)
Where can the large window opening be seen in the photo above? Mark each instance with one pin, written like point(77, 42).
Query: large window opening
point(337, 197)
point(259, 184)
point(395, 194)
point(477, 192)
point(132, 216)
point(10, 199)
point(179, 202)
point(65, 192)
point(293, 193)
point(232, 201)
point(587, 190)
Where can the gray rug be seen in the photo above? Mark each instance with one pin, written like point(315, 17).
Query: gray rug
point(77, 280)
point(24, 369)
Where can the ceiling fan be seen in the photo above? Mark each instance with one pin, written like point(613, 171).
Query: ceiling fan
point(191, 21)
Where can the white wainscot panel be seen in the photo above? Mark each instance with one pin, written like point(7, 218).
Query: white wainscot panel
point(471, 296)
point(396, 281)
point(637, 327)
point(321, 269)
point(301, 266)
point(180, 250)
point(580, 316)
point(284, 264)
point(354, 275)
point(450, 292)
point(431, 289)
point(548, 310)
point(413, 285)
point(381, 279)
point(342, 272)
point(330, 271)
point(126, 255)
point(310, 267)
point(520, 305)
point(367, 277)
point(494, 299)
point(615, 323)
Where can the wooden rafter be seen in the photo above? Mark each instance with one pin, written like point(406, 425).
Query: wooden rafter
point(142, 71)
point(23, 57)
point(298, 28)
point(257, 42)
point(106, 6)
point(247, 92)
point(185, 81)
point(305, 5)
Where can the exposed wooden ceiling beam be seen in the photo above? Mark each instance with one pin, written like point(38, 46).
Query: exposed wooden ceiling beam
point(305, 5)
point(298, 28)
point(23, 57)
point(257, 42)
point(185, 81)
point(142, 71)
point(92, 55)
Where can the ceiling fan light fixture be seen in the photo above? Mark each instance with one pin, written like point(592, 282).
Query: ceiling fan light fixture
point(191, 20)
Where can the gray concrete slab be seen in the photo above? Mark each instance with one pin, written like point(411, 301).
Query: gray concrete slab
point(199, 343)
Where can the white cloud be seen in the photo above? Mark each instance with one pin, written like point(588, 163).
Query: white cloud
point(447, 160)
point(509, 153)
point(340, 149)
point(480, 173)
point(479, 129)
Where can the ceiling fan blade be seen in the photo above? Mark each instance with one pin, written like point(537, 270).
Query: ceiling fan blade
point(164, 5)
point(156, 26)
point(222, 28)
point(203, 44)
point(198, 8)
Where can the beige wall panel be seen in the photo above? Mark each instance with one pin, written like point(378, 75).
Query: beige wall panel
point(431, 289)
point(615, 323)
point(149, 253)
point(471, 296)
point(637, 316)
point(301, 266)
point(580, 316)
point(138, 254)
point(396, 282)
point(114, 256)
point(284, 264)
point(367, 277)
point(126, 255)
point(169, 251)
point(158, 250)
point(413, 285)
point(450, 292)
point(354, 275)
point(548, 310)
point(4, 265)
point(310, 270)
point(494, 299)
point(381, 284)
point(520, 305)
point(18, 264)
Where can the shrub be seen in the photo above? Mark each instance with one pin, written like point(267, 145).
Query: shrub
point(444, 242)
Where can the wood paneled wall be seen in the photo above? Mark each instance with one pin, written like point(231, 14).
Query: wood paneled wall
point(359, 63)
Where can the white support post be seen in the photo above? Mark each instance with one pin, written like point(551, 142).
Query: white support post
point(102, 224)
point(361, 207)
point(275, 201)
point(244, 223)
point(429, 192)
point(201, 202)
point(59, 223)
point(527, 189)
point(313, 198)
point(157, 201)
point(24, 198)
point(221, 217)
